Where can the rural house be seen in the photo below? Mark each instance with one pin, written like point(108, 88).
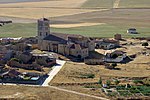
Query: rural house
point(116, 56)
point(106, 44)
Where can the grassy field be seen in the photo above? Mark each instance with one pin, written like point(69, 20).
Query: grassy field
point(15, 1)
point(36, 13)
point(105, 30)
point(46, 3)
point(70, 11)
point(98, 4)
point(134, 4)
point(122, 4)
point(18, 30)
point(36, 93)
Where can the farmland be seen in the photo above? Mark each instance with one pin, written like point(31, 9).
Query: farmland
point(94, 18)
point(91, 18)
point(121, 4)
point(105, 30)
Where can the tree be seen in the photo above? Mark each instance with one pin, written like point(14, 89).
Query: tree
point(116, 82)
point(108, 82)
point(114, 65)
point(145, 44)
point(100, 81)
point(137, 81)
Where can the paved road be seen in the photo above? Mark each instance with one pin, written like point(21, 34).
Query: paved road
point(54, 71)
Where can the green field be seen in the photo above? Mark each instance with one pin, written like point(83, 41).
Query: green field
point(114, 21)
point(98, 4)
point(134, 4)
point(29, 29)
point(122, 4)
point(18, 30)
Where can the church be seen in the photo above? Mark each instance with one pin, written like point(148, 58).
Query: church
point(65, 44)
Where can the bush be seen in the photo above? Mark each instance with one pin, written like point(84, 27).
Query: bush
point(117, 82)
point(137, 81)
point(108, 82)
point(14, 59)
point(92, 86)
point(100, 81)
point(145, 44)
point(90, 75)
point(114, 64)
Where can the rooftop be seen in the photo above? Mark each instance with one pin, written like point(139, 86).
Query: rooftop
point(61, 37)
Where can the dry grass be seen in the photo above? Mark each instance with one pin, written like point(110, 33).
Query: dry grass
point(51, 3)
point(71, 72)
point(36, 10)
point(36, 93)
point(82, 89)
point(36, 13)
point(74, 25)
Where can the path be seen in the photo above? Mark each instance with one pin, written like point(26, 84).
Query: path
point(78, 93)
point(61, 89)
point(54, 71)
point(116, 4)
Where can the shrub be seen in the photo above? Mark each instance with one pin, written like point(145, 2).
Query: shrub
point(14, 59)
point(90, 75)
point(108, 82)
point(117, 82)
point(100, 81)
point(114, 64)
point(137, 81)
point(145, 44)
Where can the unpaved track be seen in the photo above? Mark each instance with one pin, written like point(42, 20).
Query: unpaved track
point(59, 89)
point(78, 93)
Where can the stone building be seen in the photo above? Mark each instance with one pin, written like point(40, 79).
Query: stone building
point(66, 44)
point(107, 44)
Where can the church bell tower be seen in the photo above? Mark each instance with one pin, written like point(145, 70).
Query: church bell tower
point(43, 28)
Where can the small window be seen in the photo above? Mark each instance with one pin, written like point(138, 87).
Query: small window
point(40, 33)
point(46, 33)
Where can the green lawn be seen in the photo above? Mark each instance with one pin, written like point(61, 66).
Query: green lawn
point(134, 3)
point(29, 29)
